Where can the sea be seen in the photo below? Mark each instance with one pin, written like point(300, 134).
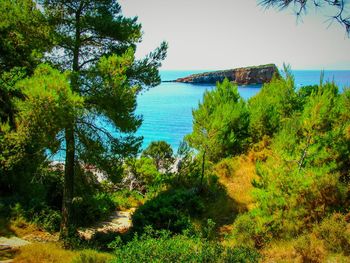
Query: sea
point(167, 108)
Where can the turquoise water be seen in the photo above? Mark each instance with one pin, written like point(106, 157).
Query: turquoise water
point(167, 108)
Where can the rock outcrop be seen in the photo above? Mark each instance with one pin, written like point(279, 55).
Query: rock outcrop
point(241, 76)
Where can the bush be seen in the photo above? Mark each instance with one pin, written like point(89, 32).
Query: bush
point(91, 256)
point(250, 231)
point(160, 246)
point(276, 101)
point(49, 219)
point(226, 167)
point(169, 210)
point(220, 124)
point(161, 153)
point(94, 208)
point(311, 249)
point(40, 214)
point(243, 254)
point(126, 199)
point(335, 232)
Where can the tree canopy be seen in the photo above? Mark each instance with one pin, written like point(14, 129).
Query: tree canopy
point(162, 154)
point(220, 124)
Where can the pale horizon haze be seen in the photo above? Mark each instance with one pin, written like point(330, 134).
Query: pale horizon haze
point(222, 34)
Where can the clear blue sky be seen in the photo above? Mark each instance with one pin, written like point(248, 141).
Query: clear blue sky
point(209, 34)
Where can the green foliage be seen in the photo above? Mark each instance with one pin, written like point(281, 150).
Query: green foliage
point(105, 73)
point(342, 125)
point(169, 210)
point(145, 171)
point(24, 35)
point(304, 92)
point(9, 91)
point(91, 256)
point(243, 254)
point(47, 218)
point(220, 125)
point(39, 119)
point(94, 208)
point(275, 102)
point(334, 231)
point(188, 166)
point(340, 14)
point(125, 199)
point(97, 44)
point(35, 212)
point(94, 45)
point(161, 153)
point(161, 246)
point(299, 182)
point(48, 105)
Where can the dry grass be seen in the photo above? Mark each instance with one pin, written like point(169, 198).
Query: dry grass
point(54, 253)
point(45, 253)
point(282, 251)
point(20, 227)
point(304, 249)
point(237, 175)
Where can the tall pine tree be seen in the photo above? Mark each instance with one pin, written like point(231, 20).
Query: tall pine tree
point(97, 44)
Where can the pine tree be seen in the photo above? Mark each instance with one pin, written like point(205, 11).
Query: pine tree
point(97, 44)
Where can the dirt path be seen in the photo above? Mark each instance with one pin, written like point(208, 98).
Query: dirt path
point(118, 222)
point(9, 246)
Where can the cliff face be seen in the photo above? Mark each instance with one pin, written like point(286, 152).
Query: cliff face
point(240, 76)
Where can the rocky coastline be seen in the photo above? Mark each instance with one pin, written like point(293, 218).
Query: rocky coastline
point(241, 76)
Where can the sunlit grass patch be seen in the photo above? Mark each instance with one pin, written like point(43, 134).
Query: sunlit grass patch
point(237, 174)
point(54, 253)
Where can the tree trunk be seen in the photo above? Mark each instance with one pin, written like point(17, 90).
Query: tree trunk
point(68, 186)
point(203, 169)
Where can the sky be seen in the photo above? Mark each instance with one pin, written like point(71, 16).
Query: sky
point(223, 34)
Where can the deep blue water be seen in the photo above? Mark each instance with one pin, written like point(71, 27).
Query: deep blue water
point(167, 108)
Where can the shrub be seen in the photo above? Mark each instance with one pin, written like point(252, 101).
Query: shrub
point(243, 254)
point(161, 246)
point(126, 199)
point(276, 101)
point(91, 256)
point(94, 208)
point(311, 249)
point(49, 219)
point(169, 210)
point(335, 232)
point(251, 231)
point(226, 167)
point(161, 153)
point(220, 124)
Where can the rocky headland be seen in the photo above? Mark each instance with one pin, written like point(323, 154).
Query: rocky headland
point(241, 76)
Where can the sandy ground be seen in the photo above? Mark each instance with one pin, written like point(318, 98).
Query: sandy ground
point(119, 222)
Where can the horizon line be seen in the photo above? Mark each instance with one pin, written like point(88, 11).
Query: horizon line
point(280, 68)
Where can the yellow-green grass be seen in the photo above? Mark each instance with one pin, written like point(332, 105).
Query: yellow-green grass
point(237, 174)
point(54, 253)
